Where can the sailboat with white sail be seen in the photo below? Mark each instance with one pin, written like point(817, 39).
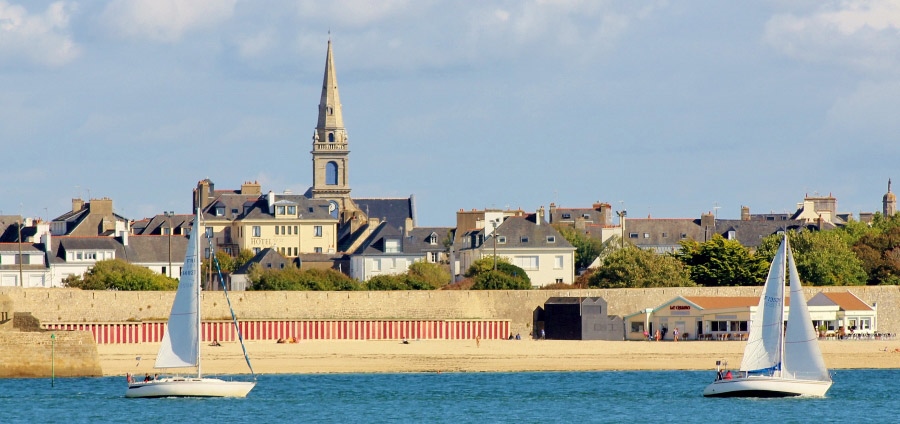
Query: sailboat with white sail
point(180, 347)
point(778, 362)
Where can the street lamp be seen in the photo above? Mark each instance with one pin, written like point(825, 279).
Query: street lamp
point(494, 236)
point(168, 228)
point(622, 215)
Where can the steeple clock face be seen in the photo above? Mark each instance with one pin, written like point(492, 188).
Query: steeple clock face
point(333, 209)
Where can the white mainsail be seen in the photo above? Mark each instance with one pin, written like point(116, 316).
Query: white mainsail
point(181, 342)
point(802, 357)
point(763, 350)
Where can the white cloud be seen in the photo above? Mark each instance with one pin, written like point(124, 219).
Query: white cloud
point(352, 13)
point(856, 33)
point(165, 20)
point(40, 38)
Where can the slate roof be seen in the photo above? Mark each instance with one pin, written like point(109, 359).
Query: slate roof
point(140, 249)
point(267, 258)
point(180, 224)
point(520, 232)
point(666, 233)
point(394, 211)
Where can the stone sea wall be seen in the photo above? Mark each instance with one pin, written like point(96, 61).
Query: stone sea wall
point(76, 306)
point(36, 354)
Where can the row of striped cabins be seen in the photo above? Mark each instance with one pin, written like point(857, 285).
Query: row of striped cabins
point(152, 332)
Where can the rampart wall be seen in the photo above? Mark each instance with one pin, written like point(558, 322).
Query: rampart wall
point(58, 305)
point(36, 354)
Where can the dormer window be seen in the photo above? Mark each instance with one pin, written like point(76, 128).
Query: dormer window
point(279, 210)
point(566, 216)
point(220, 210)
point(524, 239)
point(292, 210)
point(551, 239)
point(731, 235)
point(432, 239)
point(391, 246)
point(501, 239)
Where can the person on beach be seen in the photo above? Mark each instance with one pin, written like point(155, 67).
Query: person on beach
point(543, 334)
point(675, 333)
point(657, 334)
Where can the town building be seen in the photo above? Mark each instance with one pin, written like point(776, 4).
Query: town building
point(526, 240)
point(728, 318)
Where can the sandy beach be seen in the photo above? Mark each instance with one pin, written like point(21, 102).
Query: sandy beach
point(347, 356)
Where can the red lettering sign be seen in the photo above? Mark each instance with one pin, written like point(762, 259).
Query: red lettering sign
point(679, 307)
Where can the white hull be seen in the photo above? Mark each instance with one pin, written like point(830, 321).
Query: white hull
point(189, 387)
point(764, 386)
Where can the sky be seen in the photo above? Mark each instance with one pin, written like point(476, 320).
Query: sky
point(667, 109)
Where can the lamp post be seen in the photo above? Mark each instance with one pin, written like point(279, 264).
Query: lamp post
point(622, 215)
point(494, 236)
point(168, 233)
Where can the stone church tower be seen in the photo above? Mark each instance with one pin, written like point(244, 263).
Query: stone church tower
point(889, 202)
point(330, 149)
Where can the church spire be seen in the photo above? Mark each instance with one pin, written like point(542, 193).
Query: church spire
point(330, 103)
point(330, 152)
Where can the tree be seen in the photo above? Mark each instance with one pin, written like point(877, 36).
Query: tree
point(823, 258)
point(587, 248)
point(499, 280)
point(292, 278)
point(879, 255)
point(486, 264)
point(116, 274)
point(426, 274)
point(632, 267)
point(721, 262)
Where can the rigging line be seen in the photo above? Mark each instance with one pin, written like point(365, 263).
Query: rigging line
point(228, 299)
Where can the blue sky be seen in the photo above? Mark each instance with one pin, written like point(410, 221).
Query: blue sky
point(666, 108)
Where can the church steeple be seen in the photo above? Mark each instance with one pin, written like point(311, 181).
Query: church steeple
point(889, 202)
point(330, 103)
point(330, 152)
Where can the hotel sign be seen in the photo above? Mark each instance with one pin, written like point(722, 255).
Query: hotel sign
point(679, 307)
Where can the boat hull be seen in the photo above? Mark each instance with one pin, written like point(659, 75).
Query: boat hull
point(189, 387)
point(761, 386)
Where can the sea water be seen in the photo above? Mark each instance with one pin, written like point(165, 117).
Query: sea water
point(524, 397)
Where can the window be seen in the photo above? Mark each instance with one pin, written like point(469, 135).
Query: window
point(551, 239)
point(646, 235)
point(234, 211)
point(434, 257)
point(220, 210)
point(331, 134)
point(256, 250)
point(566, 216)
point(391, 246)
point(731, 235)
point(637, 327)
point(558, 262)
point(296, 252)
point(501, 239)
point(665, 235)
point(527, 262)
point(683, 235)
point(292, 210)
point(279, 210)
point(209, 232)
point(317, 231)
point(317, 250)
point(586, 216)
point(432, 240)
point(376, 264)
point(559, 281)
point(331, 173)
point(632, 235)
point(257, 232)
point(282, 230)
point(276, 230)
point(289, 228)
point(524, 239)
point(296, 229)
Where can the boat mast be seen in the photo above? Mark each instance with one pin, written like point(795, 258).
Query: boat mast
point(784, 271)
point(197, 267)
